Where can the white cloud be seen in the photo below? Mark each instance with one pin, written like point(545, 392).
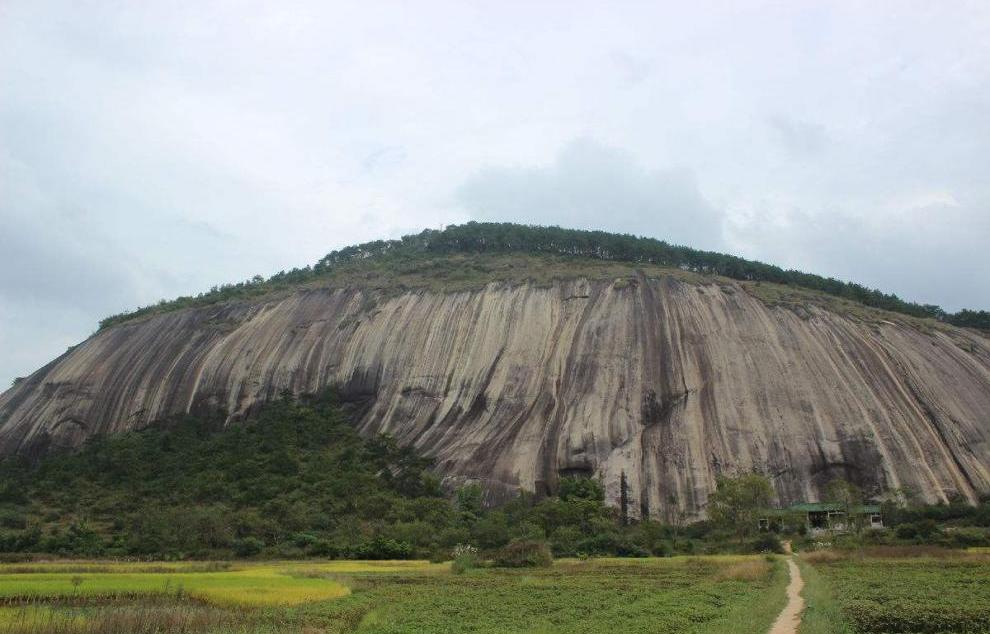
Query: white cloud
point(590, 186)
point(154, 149)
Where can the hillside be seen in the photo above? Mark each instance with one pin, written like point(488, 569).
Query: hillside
point(515, 370)
point(574, 248)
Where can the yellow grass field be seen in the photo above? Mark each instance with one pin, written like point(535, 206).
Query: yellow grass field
point(679, 594)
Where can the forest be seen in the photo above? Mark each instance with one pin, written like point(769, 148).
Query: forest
point(297, 481)
point(475, 237)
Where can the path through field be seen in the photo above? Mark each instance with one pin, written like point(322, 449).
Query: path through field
point(790, 616)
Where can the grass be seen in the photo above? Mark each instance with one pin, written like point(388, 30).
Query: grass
point(682, 594)
point(620, 595)
point(255, 586)
point(890, 590)
point(822, 614)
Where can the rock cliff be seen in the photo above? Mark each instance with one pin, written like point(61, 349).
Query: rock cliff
point(669, 380)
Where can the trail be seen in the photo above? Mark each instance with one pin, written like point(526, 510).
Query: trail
point(790, 616)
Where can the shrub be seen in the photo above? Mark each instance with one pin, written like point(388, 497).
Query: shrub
point(325, 548)
point(920, 531)
point(524, 554)
point(10, 518)
point(600, 544)
point(383, 548)
point(463, 563)
point(438, 556)
point(767, 543)
point(304, 540)
point(964, 538)
point(565, 541)
point(248, 546)
point(627, 548)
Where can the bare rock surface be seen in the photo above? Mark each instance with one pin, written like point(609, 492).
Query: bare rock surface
point(515, 385)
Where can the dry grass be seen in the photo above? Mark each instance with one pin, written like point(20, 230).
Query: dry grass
point(892, 552)
point(142, 619)
point(88, 567)
point(751, 570)
point(824, 556)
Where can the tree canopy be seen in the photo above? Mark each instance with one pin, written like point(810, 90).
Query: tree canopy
point(475, 237)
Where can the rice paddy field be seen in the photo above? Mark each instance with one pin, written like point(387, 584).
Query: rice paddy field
point(911, 590)
point(679, 594)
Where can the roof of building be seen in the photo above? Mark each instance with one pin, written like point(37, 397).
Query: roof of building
point(811, 507)
point(821, 507)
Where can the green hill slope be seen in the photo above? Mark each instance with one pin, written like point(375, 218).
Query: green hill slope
point(569, 251)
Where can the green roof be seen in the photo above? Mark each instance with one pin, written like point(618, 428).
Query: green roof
point(811, 507)
point(820, 507)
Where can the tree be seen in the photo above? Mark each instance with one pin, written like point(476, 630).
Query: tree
point(848, 497)
point(737, 502)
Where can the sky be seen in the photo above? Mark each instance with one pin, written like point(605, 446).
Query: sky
point(154, 149)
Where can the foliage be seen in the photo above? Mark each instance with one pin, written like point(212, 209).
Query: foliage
point(738, 501)
point(476, 237)
point(293, 481)
point(895, 594)
point(700, 594)
point(847, 496)
point(465, 558)
point(296, 480)
point(524, 554)
point(767, 543)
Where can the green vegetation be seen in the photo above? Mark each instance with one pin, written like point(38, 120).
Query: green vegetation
point(243, 586)
point(376, 261)
point(697, 594)
point(822, 615)
point(737, 502)
point(710, 594)
point(894, 590)
point(297, 481)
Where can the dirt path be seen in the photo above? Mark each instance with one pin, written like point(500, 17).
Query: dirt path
point(790, 616)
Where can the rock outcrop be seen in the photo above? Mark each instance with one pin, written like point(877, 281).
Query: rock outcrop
point(514, 385)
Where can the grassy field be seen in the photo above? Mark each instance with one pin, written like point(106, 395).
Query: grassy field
point(698, 594)
point(896, 590)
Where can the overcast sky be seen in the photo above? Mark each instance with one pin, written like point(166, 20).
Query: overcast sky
point(152, 149)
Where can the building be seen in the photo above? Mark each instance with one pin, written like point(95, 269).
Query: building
point(821, 516)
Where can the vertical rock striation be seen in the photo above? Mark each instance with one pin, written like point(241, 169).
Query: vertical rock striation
point(668, 381)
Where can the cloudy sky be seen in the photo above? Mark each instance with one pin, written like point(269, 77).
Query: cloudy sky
point(154, 149)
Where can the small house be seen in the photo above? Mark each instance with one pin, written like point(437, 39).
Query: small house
point(822, 516)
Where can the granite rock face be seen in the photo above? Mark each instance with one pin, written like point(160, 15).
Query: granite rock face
point(668, 381)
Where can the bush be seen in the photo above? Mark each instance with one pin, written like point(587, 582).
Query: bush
point(964, 538)
point(463, 563)
point(767, 543)
point(248, 546)
point(921, 530)
point(383, 548)
point(524, 554)
point(325, 548)
point(10, 518)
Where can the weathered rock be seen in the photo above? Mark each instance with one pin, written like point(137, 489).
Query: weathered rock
point(515, 385)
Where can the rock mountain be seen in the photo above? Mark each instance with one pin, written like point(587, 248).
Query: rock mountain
point(514, 370)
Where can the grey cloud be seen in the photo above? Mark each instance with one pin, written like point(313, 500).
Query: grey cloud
point(906, 247)
point(155, 149)
point(929, 252)
point(48, 252)
point(800, 138)
point(592, 186)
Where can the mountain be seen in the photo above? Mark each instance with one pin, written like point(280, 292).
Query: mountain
point(518, 355)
